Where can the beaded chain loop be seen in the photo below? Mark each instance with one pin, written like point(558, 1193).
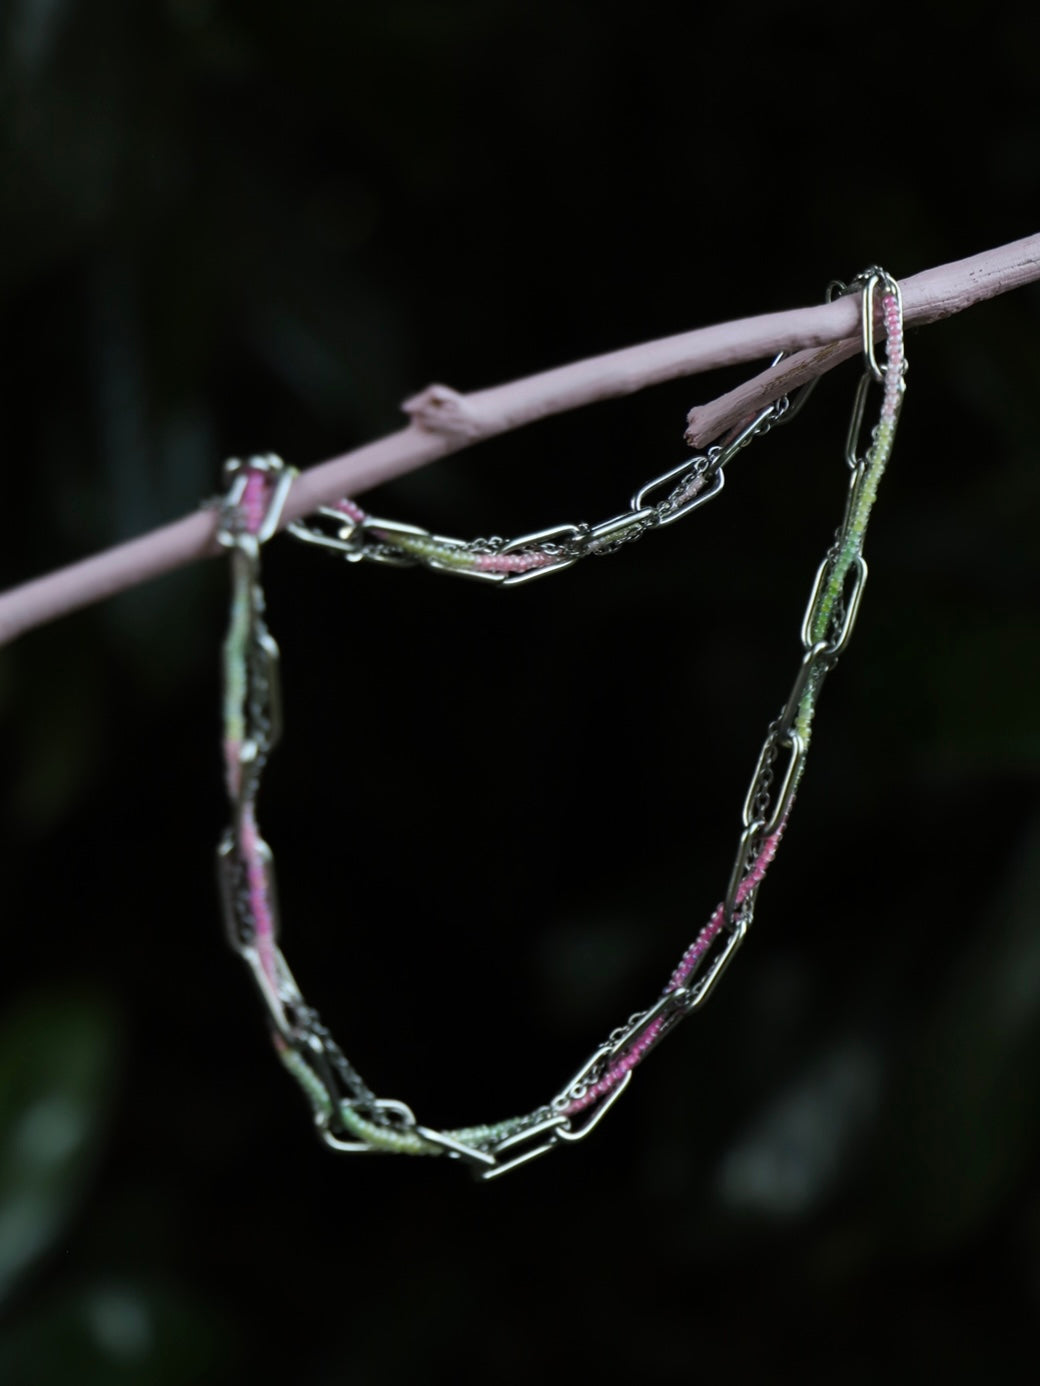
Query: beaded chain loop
point(348, 1115)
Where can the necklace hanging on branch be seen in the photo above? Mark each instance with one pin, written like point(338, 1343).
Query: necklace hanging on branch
point(349, 1116)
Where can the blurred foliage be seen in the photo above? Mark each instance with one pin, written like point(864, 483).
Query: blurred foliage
point(230, 226)
point(56, 1060)
point(967, 1131)
point(109, 1333)
point(59, 1054)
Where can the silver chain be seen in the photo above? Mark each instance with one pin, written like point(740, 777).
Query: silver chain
point(685, 487)
point(347, 1113)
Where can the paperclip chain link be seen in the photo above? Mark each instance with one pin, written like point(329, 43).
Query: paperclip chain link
point(348, 1115)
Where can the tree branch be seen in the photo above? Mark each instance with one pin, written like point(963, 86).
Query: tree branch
point(444, 421)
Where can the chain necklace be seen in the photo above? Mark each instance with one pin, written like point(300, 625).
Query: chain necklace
point(348, 1115)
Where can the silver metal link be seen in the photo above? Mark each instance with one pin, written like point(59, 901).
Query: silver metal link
point(756, 800)
point(236, 477)
point(277, 1000)
point(459, 1149)
point(622, 529)
point(518, 1148)
point(382, 1111)
point(816, 662)
point(697, 994)
point(237, 916)
point(347, 540)
point(746, 852)
point(686, 476)
point(567, 1131)
point(590, 1073)
point(671, 1002)
point(559, 542)
point(757, 427)
point(792, 774)
point(836, 644)
point(856, 421)
point(471, 574)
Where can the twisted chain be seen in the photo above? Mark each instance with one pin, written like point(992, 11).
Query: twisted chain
point(348, 1115)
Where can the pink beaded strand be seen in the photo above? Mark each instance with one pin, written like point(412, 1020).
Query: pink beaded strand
point(685, 969)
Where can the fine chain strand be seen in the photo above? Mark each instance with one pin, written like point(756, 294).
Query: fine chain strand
point(348, 1115)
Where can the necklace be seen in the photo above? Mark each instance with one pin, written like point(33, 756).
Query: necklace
point(348, 1115)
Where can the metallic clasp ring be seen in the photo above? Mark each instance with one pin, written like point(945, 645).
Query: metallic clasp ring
point(237, 474)
point(868, 280)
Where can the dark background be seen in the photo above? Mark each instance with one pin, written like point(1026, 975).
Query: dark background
point(499, 818)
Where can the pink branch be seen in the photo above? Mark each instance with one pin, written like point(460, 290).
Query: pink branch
point(443, 421)
point(927, 297)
